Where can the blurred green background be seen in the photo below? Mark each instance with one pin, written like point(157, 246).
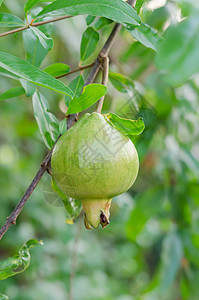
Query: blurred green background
point(150, 250)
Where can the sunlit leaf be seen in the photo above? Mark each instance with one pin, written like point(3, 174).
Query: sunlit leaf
point(27, 71)
point(91, 93)
point(128, 127)
point(57, 69)
point(116, 10)
point(19, 262)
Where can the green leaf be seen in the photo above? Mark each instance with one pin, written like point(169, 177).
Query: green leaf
point(57, 69)
point(1, 1)
point(91, 93)
point(8, 20)
point(171, 256)
point(29, 87)
point(46, 121)
point(3, 297)
point(89, 42)
point(90, 20)
point(138, 5)
point(76, 86)
point(12, 93)
point(5, 73)
point(147, 205)
point(30, 3)
point(122, 83)
point(72, 206)
point(26, 71)
point(128, 127)
point(101, 22)
point(19, 262)
point(35, 52)
point(46, 42)
point(116, 10)
point(179, 59)
point(63, 126)
point(146, 36)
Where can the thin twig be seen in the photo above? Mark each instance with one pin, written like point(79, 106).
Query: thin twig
point(104, 82)
point(76, 70)
point(12, 218)
point(74, 259)
point(34, 25)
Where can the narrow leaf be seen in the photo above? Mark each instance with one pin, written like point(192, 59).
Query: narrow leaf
point(46, 42)
point(179, 59)
point(128, 127)
point(122, 83)
point(76, 86)
point(46, 121)
point(18, 263)
point(62, 126)
point(146, 36)
point(26, 71)
point(8, 20)
point(90, 20)
point(12, 93)
point(1, 1)
point(31, 3)
point(116, 10)
point(89, 42)
point(91, 93)
point(138, 5)
point(29, 87)
point(5, 73)
point(57, 69)
point(101, 22)
point(35, 52)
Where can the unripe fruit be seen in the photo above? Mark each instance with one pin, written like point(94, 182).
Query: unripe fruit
point(93, 162)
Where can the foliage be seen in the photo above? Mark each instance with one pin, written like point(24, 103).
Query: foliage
point(19, 262)
point(150, 249)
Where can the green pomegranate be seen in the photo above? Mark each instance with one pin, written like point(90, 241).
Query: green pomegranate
point(93, 162)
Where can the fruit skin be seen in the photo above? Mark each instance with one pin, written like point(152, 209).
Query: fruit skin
point(94, 161)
